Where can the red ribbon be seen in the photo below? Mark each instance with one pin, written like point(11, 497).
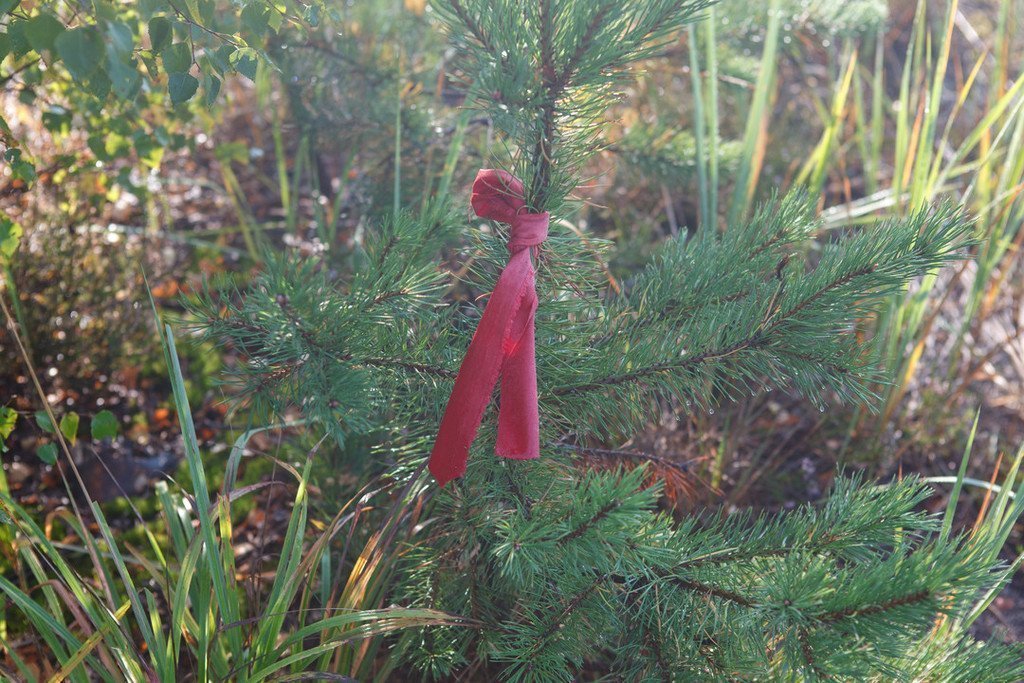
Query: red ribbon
point(502, 345)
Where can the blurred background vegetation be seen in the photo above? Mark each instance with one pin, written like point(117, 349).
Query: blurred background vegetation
point(149, 147)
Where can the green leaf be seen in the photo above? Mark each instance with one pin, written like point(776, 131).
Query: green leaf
point(48, 453)
point(44, 422)
point(193, 10)
point(149, 59)
point(16, 36)
point(8, 419)
point(98, 85)
point(81, 50)
point(7, 6)
point(104, 425)
point(5, 45)
point(177, 58)
point(312, 15)
point(42, 31)
point(148, 149)
point(57, 120)
point(182, 87)
point(69, 426)
point(108, 145)
point(254, 18)
point(22, 169)
point(10, 238)
point(221, 57)
point(125, 79)
point(211, 88)
point(120, 39)
point(245, 61)
point(207, 11)
point(105, 10)
point(275, 20)
point(160, 33)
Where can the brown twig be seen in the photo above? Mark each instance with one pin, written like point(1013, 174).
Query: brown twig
point(849, 612)
point(713, 591)
point(808, 653)
point(630, 455)
point(608, 508)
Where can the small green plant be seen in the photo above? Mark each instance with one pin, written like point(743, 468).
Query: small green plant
point(125, 70)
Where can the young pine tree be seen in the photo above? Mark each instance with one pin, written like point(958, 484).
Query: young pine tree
point(558, 569)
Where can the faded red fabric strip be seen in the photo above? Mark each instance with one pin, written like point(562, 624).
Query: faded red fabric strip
point(503, 344)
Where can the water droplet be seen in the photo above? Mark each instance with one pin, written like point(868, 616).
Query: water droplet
point(711, 411)
point(821, 409)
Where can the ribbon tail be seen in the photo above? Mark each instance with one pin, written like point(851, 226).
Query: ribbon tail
point(518, 415)
point(478, 375)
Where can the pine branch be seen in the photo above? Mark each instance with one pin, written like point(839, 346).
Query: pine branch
point(398, 364)
point(836, 284)
point(798, 329)
point(808, 653)
point(588, 524)
point(651, 637)
point(471, 24)
point(634, 456)
point(386, 296)
point(754, 341)
point(584, 45)
point(315, 345)
point(757, 340)
point(567, 608)
point(712, 591)
point(853, 612)
point(551, 91)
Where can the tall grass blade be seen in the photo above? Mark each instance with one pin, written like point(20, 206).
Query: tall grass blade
point(699, 126)
point(954, 496)
point(757, 119)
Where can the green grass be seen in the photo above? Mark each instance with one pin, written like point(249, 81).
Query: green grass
point(947, 132)
point(108, 610)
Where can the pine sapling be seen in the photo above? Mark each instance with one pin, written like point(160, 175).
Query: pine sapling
point(562, 569)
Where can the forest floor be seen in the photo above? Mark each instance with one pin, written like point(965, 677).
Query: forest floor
point(776, 450)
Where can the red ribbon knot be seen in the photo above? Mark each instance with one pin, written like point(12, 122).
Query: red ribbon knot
point(503, 344)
